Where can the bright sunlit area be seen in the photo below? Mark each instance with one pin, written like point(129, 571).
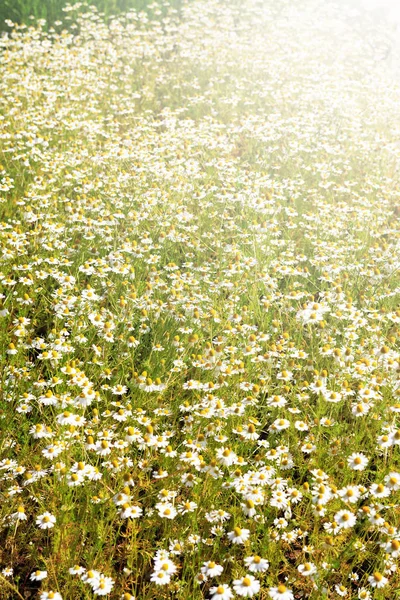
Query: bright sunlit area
point(390, 8)
point(199, 300)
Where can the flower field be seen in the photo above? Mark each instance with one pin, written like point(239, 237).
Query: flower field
point(199, 304)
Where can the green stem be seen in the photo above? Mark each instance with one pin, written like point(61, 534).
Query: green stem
point(10, 585)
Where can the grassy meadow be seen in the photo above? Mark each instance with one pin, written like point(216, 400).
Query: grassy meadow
point(53, 12)
point(199, 304)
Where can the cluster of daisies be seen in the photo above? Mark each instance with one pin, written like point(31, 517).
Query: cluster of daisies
point(199, 304)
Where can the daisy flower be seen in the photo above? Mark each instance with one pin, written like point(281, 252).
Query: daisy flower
point(357, 461)
point(127, 511)
point(238, 536)
point(377, 580)
point(20, 514)
point(226, 456)
point(280, 593)
point(38, 575)
point(378, 490)
point(246, 587)
point(103, 586)
point(221, 592)
point(166, 565)
point(76, 570)
point(45, 521)
point(364, 594)
point(256, 564)
point(345, 519)
point(307, 569)
point(166, 510)
point(160, 578)
point(392, 481)
point(211, 569)
point(341, 590)
point(392, 547)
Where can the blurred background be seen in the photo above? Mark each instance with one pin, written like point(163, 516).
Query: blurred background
point(24, 11)
point(367, 17)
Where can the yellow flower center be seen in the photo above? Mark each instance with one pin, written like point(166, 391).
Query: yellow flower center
point(281, 589)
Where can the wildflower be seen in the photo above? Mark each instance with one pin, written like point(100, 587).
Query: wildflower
point(280, 593)
point(91, 576)
point(211, 569)
point(248, 508)
point(166, 510)
point(345, 519)
point(392, 481)
point(341, 590)
point(226, 456)
point(351, 493)
point(392, 547)
point(279, 425)
point(166, 565)
point(360, 409)
point(20, 514)
point(308, 569)
point(379, 491)
point(38, 575)
point(102, 586)
point(279, 499)
point(256, 564)
point(160, 578)
point(119, 390)
point(221, 592)
point(176, 547)
point(377, 580)
point(187, 507)
point(385, 441)
point(247, 586)
point(46, 520)
point(75, 479)
point(52, 451)
point(301, 426)
point(238, 536)
point(76, 570)
point(130, 511)
point(357, 461)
